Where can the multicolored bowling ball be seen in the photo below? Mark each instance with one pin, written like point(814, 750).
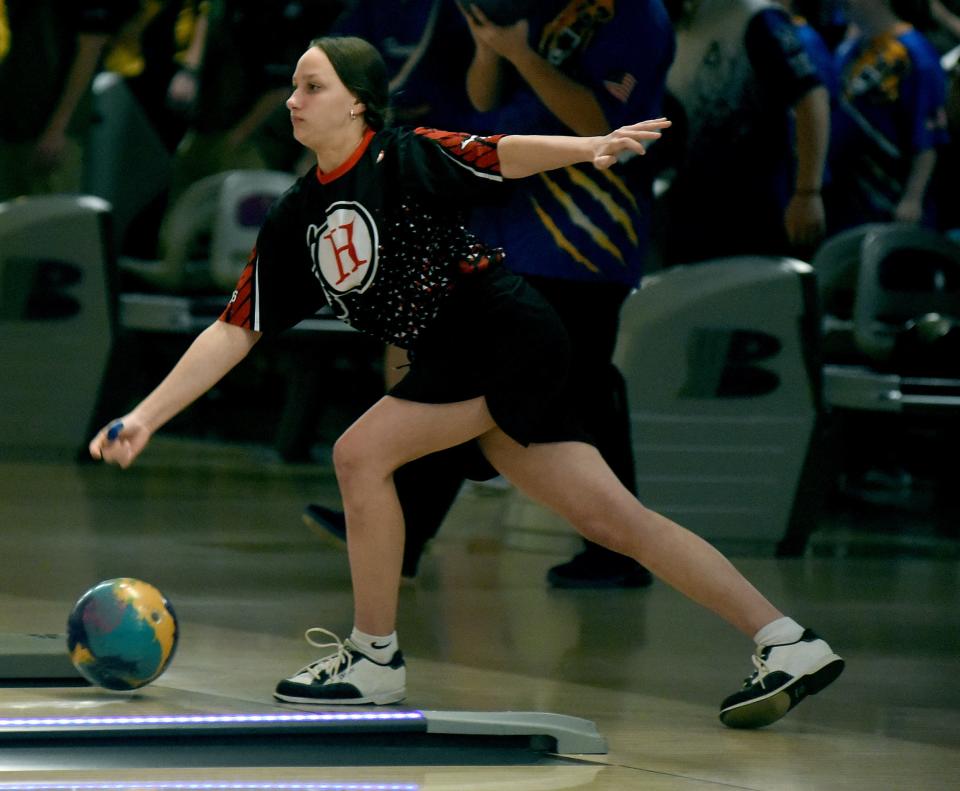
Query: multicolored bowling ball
point(122, 634)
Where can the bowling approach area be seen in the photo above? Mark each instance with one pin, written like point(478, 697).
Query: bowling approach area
point(511, 685)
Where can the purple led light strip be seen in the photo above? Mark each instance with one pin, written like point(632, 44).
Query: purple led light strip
point(208, 719)
point(207, 786)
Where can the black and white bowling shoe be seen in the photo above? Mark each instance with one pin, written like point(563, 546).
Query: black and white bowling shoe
point(345, 677)
point(784, 675)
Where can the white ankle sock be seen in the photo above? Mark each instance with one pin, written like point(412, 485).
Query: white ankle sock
point(380, 648)
point(779, 632)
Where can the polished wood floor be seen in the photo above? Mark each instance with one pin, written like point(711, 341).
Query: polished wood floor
point(217, 527)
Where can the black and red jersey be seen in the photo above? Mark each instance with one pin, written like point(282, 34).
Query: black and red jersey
point(381, 239)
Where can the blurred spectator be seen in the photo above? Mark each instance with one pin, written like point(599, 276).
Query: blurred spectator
point(947, 172)
point(890, 120)
point(49, 52)
point(426, 46)
point(582, 241)
point(251, 51)
point(805, 16)
point(757, 114)
point(159, 52)
point(827, 17)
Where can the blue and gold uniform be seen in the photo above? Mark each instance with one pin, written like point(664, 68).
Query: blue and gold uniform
point(891, 108)
point(578, 223)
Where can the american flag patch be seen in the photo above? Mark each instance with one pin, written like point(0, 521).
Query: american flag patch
point(621, 90)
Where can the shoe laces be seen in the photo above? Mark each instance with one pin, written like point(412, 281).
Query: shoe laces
point(760, 668)
point(331, 664)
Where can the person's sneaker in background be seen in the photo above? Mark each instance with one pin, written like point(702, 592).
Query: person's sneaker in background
point(597, 567)
point(327, 523)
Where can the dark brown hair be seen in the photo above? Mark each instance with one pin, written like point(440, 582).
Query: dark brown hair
point(361, 69)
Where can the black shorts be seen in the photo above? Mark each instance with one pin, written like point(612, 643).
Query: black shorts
point(497, 337)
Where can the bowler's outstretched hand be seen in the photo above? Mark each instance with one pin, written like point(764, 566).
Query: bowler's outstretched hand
point(120, 441)
point(627, 138)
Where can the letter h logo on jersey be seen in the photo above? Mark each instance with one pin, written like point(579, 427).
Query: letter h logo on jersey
point(344, 249)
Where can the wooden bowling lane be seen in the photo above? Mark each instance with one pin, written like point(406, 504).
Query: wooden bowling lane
point(79, 728)
point(256, 736)
point(218, 530)
point(656, 742)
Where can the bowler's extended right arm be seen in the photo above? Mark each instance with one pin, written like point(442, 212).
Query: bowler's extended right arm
point(214, 353)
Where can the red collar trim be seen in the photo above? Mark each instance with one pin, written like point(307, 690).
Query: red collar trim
point(326, 178)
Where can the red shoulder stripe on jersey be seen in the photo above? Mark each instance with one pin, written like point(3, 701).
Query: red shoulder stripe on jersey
point(477, 151)
point(238, 309)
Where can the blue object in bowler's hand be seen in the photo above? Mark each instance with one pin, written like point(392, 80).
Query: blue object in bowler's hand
point(114, 430)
